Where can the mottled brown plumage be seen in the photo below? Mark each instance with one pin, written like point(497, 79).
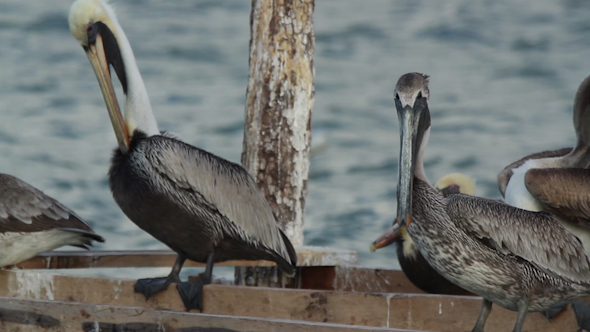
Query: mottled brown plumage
point(521, 260)
point(556, 181)
point(415, 267)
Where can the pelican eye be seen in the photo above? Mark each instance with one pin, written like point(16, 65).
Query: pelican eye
point(419, 95)
point(91, 32)
point(396, 96)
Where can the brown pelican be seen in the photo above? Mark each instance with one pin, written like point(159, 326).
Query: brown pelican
point(521, 260)
point(205, 208)
point(557, 181)
point(32, 222)
point(415, 267)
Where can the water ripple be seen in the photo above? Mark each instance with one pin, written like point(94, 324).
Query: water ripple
point(503, 79)
point(49, 22)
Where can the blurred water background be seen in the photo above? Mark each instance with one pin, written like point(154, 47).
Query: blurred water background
point(503, 79)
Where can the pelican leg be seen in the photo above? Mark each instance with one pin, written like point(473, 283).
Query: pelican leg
point(191, 292)
point(523, 310)
point(486, 308)
point(582, 313)
point(553, 310)
point(151, 286)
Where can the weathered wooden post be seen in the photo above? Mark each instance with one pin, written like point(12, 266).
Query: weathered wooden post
point(279, 103)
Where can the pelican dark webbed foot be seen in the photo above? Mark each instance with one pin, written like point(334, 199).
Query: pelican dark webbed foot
point(191, 292)
point(151, 286)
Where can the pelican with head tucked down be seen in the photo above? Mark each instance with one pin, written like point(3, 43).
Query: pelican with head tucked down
point(557, 181)
point(521, 260)
point(32, 222)
point(205, 208)
point(415, 267)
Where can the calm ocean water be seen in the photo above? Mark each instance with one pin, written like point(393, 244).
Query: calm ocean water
point(503, 79)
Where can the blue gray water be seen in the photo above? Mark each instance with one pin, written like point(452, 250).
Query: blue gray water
point(503, 78)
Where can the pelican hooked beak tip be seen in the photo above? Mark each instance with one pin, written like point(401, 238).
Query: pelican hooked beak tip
point(388, 237)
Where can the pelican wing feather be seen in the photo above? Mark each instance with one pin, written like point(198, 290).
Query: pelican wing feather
point(505, 175)
point(23, 208)
point(563, 191)
point(536, 237)
point(224, 186)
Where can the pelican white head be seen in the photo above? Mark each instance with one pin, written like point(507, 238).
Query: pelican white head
point(94, 25)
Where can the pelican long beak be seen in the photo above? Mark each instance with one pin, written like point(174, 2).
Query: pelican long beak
point(98, 59)
point(387, 238)
point(408, 132)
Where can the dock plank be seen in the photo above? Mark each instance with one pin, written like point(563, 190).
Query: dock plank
point(306, 255)
point(357, 279)
point(402, 311)
point(55, 316)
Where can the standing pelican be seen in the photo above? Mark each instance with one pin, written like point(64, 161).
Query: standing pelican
point(205, 208)
point(557, 181)
point(415, 267)
point(32, 222)
point(521, 260)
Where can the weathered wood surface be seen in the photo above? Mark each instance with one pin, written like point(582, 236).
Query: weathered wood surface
point(356, 279)
point(324, 268)
point(403, 311)
point(279, 103)
point(306, 255)
point(55, 316)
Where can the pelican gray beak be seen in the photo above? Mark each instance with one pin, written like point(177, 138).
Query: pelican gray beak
point(388, 237)
point(406, 163)
point(100, 61)
point(414, 120)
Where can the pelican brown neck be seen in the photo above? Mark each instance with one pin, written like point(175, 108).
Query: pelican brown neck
point(580, 155)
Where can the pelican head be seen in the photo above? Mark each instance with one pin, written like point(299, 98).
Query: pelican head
point(411, 101)
point(455, 183)
point(95, 27)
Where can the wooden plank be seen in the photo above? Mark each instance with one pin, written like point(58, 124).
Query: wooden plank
point(307, 256)
point(403, 311)
point(357, 279)
point(55, 316)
